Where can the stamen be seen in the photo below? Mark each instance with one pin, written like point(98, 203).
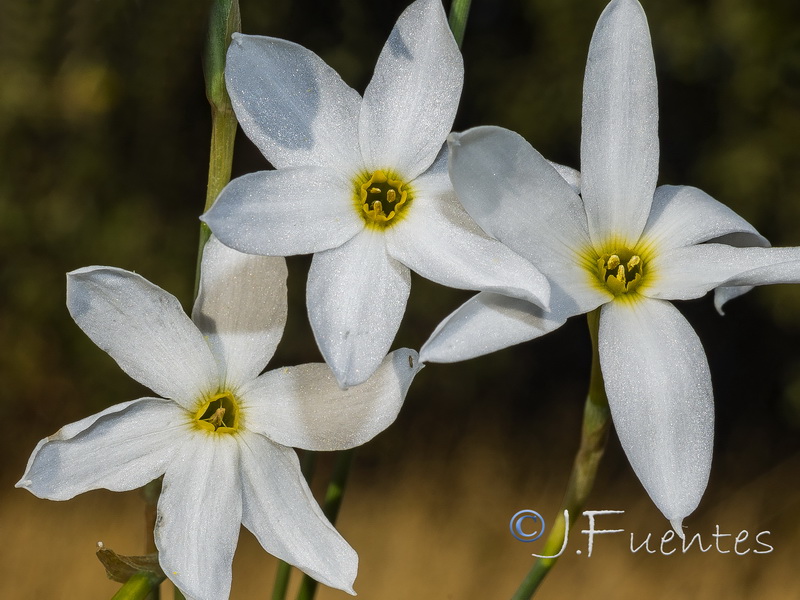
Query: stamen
point(621, 270)
point(620, 273)
point(220, 414)
point(380, 197)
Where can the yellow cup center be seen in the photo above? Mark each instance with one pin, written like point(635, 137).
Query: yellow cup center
point(621, 270)
point(220, 414)
point(381, 198)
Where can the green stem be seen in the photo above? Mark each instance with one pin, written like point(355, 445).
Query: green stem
point(224, 20)
point(459, 11)
point(307, 466)
point(138, 586)
point(151, 491)
point(594, 433)
point(331, 506)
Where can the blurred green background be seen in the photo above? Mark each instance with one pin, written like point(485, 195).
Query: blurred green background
point(104, 134)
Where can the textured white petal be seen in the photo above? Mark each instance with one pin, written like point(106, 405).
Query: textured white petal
point(292, 105)
point(619, 143)
point(121, 448)
point(441, 242)
point(241, 309)
point(659, 391)
point(684, 215)
point(304, 407)
point(356, 297)
point(199, 513)
point(145, 330)
point(285, 212)
point(743, 240)
point(410, 104)
point(517, 197)
point(723, 295)
point(281, 512)
point(485, 323)
point(568, 174)
point(690, 272)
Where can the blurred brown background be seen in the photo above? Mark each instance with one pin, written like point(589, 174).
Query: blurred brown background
point(103, 154)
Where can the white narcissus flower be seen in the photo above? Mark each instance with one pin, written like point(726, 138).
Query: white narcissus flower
point(361, 183)
point(622, 245)
point(219, 433)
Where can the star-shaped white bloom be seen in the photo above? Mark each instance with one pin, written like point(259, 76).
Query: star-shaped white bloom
point(220, 433)
point(361, 183)
point(622, 245)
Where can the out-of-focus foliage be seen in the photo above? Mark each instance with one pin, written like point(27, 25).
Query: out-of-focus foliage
point(103, 154)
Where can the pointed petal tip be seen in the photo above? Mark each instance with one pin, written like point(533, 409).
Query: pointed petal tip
point(237, 37)
point(454, 140)
point(351, 378)
point(677, 525)
point(24, 484)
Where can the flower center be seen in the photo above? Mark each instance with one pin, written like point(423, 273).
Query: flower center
point(381, 198)
point(621, 270)
point(220, 414)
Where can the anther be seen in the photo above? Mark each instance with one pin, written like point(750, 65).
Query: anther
point(635, 260)
point(217, 419)
point(391, 196)
point(613, 262)
point(374, 190)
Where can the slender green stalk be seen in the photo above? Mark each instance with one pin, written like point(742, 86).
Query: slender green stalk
point(138, 586)
point(151, 491)
point(331, 506)
point(307, 466)
point(224, 20)
point(594, 433)
point(459, 11)
point(281, 580)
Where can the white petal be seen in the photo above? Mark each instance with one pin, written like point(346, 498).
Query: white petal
point(659, 391)
point(145, 330)
point(410, 104)
point(285, 212)
point(488, 322)
point(619, 143)
point(568, 174)
point(281, 512)
point(723, 295)
point(121, 448)
point(690, 272)
point(292, 105)
point(304, 407)
point(241, 309)
point(517, 197)
point(439, 240)
point(684, 215)
point(199, 513)
point(356, 297)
